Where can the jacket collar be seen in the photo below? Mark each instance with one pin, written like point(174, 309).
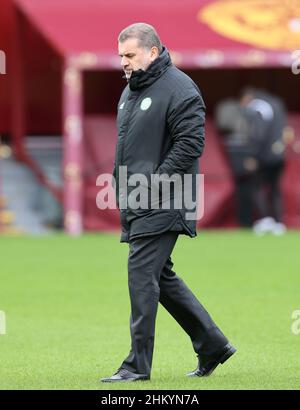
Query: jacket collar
point(141, 79)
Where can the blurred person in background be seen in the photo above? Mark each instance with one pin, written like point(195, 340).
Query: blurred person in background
point(271, 120)
point(160, 120)
point(241, 132)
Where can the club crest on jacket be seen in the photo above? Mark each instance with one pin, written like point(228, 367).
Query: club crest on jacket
point(146, 103)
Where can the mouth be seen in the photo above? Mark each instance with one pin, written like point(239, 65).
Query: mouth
point(128, 73)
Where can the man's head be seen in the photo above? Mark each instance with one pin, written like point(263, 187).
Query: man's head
point(139, 45)
point(247, 95)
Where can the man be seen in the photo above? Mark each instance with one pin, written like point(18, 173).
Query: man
point(271, 118)
point(241, 132)
point(160, 133)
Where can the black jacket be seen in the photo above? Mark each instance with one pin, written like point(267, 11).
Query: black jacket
point(272, 149)
point(160, 122)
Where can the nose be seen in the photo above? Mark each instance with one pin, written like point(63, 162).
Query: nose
point(124, 61)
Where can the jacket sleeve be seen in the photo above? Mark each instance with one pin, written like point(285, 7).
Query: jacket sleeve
point(186, 126)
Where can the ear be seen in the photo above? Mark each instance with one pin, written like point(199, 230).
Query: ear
point(154, 53)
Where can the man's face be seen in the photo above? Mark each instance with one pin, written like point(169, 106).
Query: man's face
point(134, 57)
point(246, 99)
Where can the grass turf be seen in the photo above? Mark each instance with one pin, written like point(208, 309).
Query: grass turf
point(67, 312)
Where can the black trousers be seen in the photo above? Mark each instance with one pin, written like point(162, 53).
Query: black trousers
point(246, 189)
point(268, 198)
point(152, 280)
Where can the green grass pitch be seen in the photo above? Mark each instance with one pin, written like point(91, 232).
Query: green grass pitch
point(67, 311)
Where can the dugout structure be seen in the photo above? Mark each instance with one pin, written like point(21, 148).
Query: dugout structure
point(65, 78)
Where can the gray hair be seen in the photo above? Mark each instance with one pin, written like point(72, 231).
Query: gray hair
point(145, 33)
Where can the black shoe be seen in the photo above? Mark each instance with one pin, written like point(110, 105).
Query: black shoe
point(207, 364)
point(124, 375)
